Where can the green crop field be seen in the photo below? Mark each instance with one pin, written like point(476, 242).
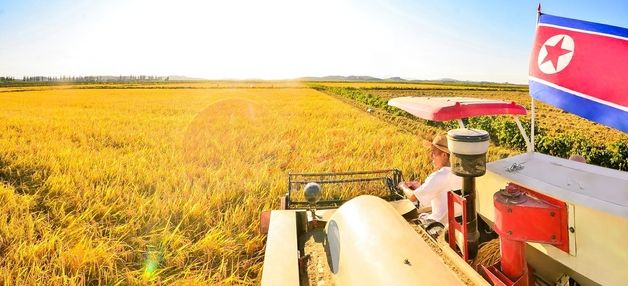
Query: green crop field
point(558, 133)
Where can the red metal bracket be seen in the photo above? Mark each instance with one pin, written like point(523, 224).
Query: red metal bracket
point(454, 225)
point(531, 217)
point(522, 215)
point(497, 278)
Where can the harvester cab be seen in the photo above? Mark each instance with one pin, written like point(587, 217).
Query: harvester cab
point(546, 211)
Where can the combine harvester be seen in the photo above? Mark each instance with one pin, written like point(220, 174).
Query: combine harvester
point(559, 222)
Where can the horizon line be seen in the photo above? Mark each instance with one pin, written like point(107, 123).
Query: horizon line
point(357, 78)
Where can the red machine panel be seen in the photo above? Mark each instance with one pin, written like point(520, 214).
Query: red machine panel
point(524, 215)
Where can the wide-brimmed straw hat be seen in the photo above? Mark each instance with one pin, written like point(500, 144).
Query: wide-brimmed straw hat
point(439, 142)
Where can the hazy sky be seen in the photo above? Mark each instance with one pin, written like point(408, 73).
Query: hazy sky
point(275, 39)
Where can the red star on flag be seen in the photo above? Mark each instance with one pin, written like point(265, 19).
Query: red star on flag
point(554, 52)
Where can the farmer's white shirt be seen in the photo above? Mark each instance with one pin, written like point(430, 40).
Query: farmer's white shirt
point(434, 192)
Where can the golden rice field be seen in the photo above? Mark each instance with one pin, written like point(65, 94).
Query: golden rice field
point(165, 185)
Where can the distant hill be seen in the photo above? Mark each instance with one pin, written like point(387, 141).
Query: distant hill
point(446, 79)
point(396, 78)
point(368, 78)
point(341, 78)
point(183, 78)
point(364, 78)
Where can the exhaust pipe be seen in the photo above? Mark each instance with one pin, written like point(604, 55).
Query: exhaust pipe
point(468, 191)
point(468, 149)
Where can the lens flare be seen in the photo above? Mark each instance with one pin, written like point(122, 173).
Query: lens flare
point(151, 263)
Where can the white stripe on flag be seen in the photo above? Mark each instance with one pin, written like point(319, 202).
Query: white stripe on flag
point(584, 31)
point(579, 94)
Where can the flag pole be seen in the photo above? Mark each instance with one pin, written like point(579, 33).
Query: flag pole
point(531, 148)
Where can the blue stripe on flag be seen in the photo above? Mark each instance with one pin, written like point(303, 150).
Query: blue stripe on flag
point(583, 25)
point(589, 109)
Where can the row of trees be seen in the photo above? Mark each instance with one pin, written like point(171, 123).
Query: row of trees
point(6, 78)
point(122, 78)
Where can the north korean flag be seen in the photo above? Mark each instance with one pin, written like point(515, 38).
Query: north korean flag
point(581, 67)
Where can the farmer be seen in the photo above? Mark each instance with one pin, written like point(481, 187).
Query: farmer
point(434, 191)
